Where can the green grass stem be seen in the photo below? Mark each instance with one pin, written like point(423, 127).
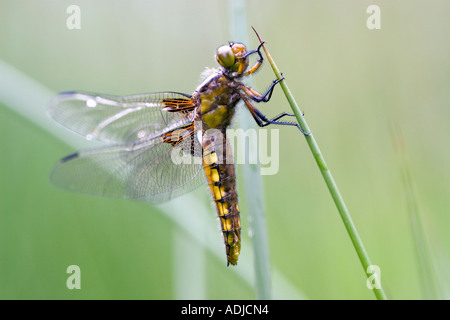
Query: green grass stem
point(425, 263)
point(252, 180)
point(326, 173)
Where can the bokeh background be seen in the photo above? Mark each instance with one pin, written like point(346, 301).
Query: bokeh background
point(361, 90)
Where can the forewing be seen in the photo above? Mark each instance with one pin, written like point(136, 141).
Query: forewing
point(120, 118)
point(150, 168)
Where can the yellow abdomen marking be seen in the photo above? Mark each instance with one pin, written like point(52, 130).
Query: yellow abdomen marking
point(214, 175)
point(227, 224)
point(221, 180)
point(210, 158)
point(219, 193)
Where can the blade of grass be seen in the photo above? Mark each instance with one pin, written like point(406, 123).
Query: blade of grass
point(252, 178)
point(427, 271)
point(329, 180)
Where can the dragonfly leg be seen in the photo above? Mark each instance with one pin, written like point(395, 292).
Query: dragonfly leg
point(284, 114)
point(255, 51)
point(257, 64)
point(263, 121)
point(256, 96)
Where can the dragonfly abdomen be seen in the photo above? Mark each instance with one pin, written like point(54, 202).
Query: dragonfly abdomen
point(222, 182)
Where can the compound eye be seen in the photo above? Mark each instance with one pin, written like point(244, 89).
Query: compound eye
point(238, 49)
point(225, 56)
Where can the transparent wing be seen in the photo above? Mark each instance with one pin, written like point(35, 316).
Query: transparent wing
point(157, 168)
point(120, 118)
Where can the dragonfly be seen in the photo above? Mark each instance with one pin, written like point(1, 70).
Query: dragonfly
point(162, 145)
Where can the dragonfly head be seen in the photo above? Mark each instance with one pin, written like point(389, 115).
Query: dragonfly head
point(233, 58)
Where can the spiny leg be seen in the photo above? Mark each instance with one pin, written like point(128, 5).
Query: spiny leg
point(257, 64)
point(256, 96)
point(255, 51)
point(263, 121)
point(283, 115)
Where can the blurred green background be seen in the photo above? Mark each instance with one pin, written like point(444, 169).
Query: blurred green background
point(359, 89)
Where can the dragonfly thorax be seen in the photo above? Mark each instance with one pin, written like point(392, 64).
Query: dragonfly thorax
point(217, 98)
